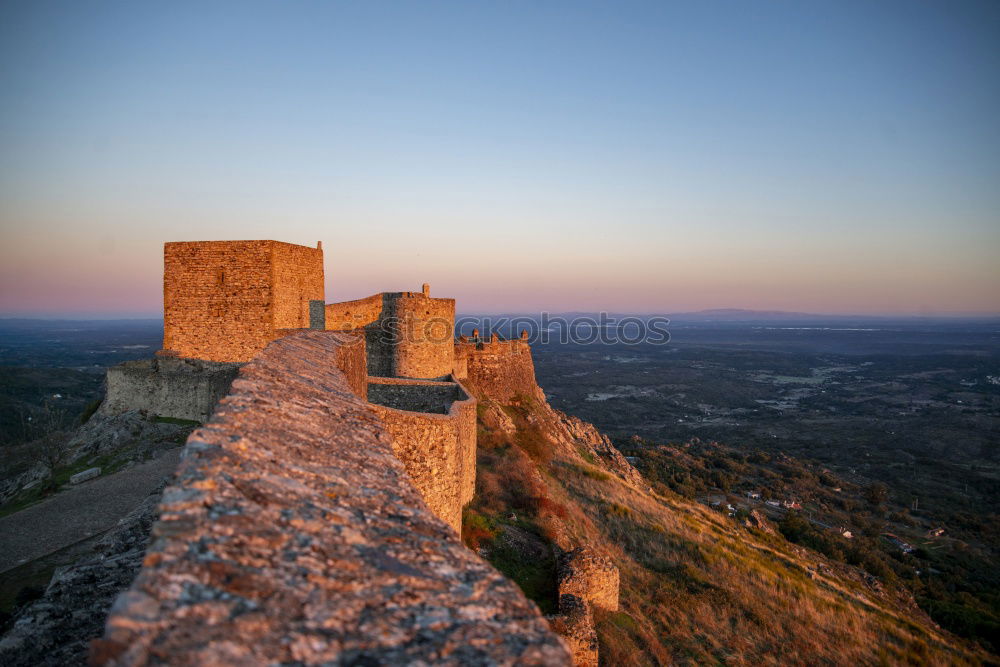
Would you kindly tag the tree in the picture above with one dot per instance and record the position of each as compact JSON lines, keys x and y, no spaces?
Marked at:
{"x":877,"y":493}
{"x":52,"y":448}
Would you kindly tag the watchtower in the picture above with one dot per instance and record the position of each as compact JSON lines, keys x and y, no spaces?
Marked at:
{"x":425,"y":335}
{"x":226,"y":300}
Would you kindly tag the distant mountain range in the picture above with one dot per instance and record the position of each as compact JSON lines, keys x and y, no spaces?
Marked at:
{"x":745,"y":315}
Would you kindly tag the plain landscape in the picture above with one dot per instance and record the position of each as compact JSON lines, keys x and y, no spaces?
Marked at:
{"x":871,"y":442}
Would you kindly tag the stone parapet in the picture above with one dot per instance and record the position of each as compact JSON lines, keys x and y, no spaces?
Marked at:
{"x":292,"y":534}
{"x":433,"y":427}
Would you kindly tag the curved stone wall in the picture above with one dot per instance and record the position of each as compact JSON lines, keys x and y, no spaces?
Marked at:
{"x":292,"y":534}
{"x":357,"y":314}
{"x":409,"y":334}
{"x":426,"y":336}
{"x":437,"y":444}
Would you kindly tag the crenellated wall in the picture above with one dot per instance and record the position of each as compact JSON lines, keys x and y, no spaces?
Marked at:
{"x":433,"y":427}
{"x":498,"y":369}
{"x":292,"y":534}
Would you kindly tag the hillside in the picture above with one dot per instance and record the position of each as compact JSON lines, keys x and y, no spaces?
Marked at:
{"x":696,"y":586}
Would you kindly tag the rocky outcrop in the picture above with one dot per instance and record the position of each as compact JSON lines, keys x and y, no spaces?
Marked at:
{"x":292,"y":534}
{"x":756,"y":519}
{"x":125,"y":438}
{"x":502,"y":375}
{"x":571,"y":430}
{"x":57,"y":629}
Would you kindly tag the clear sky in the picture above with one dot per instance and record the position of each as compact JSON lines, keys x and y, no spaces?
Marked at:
{"x":824,"y":156}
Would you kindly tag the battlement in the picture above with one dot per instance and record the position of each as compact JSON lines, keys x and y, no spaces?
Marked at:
{"x":495,"y":368}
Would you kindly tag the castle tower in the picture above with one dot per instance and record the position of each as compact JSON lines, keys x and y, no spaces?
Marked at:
{"x":425,"y":335}
{"x":226,"y":300}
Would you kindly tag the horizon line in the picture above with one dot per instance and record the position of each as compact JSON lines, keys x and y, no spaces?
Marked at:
{"x":738,"y":313}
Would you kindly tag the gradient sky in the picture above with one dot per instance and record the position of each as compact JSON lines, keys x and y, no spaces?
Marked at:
{"x":648,"y":157}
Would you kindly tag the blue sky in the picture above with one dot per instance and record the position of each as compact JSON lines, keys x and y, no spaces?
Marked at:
{"x":820,"y":156}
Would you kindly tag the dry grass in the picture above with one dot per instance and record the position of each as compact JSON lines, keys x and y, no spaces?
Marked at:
{"x":700,"y":589}
{"x":696,"y":588}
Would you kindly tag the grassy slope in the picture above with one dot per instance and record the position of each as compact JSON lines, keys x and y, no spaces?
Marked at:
{"x":695,"y":586}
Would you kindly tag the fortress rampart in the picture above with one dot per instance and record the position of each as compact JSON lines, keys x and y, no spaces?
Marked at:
{"x":181,"y":388}
{"x":315,"y":517}
{"x":499,"y":369}
{"x":433,"y":428}
{"x":293,"y":534}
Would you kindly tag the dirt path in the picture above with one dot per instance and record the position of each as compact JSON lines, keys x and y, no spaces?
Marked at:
{"x":79,"y":512}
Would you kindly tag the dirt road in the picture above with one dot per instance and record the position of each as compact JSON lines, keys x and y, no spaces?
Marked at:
{"x":79,"y":512}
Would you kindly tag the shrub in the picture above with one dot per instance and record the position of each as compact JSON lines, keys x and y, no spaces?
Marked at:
{"x":592,"y":473}
{"x":477,"y":529}
{"x":549,"y":506}
{"x":877,"y":493}
{"x":618,"y":510}
{"x":537,"y":578}
{"x":89,"y":410}
{"x":534,"y":443}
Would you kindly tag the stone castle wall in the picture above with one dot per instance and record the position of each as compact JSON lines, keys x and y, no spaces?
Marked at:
{"x":298,"y":279}
{"x":575,"y":624}
{"x":166,"y":387}
{"x":292,"y":534}
{"x":437,"y":448}
{"x":587,"y":581}
{"x":372,"y":316}
{"x":357,"y":314}
{"x":354,"y":367}
{"x":497,"y":369}
{"x":409,"y":334}
{"x":426,"y":336}
{"x":223,"y":300}
{"x":415,"y":395}
{"x":589,"y":576}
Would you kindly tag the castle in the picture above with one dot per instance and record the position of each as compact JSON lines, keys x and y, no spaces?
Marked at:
{"x":294,"y":522}
{"x":225,"y":301}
